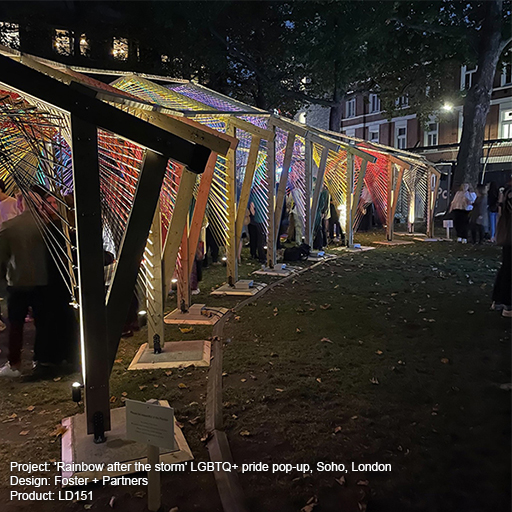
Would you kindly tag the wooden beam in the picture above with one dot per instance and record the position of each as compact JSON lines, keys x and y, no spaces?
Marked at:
{"x":281,"y":191}
{"x":240,"y":124}
{"x":318,"y":185}
{"x":271,"y":181}
{"x":250,"y":168}
{"x":349,"y":227}
{"x":200,"y":208}
{"x":184,"y":272}
{"x":433,"y":181}
{"x":177,"y":225}
{"x":359,"y":187}
{"x":392,"y":199}
{"x":121,"y":292}
{"x":308,"y":168}
{"x":231,"y":249}
{"x":91,"y":284}
{"x":154,"y":288}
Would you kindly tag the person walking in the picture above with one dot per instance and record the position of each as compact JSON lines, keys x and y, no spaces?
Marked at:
{"x":478,"y":216}
{"x":461,"y":205}
{"x":492,"y":205}
{"x":502,"y":291}
{"x":24,"y":254}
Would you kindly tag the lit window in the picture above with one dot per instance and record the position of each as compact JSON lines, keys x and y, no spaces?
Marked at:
{"x":62,"y":42}
{"x":506,"y":124}
{"x":402,"y":101}
{"x":374,"y":103}
{"x":431,"y":133}
{"x":466,"y":77}
{"x":506,"y":75}
{"x":84,"y":46}
{"x":302,"y":117}
{"x":401,"y":136}
{"x":351,"y":107}
{"x":10,"y":35}
{"x":120,"y":48}
{"x":373,"y":133}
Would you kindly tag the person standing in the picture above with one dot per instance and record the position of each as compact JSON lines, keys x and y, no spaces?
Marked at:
{"x":478,"y":216}
{"x":256,"y":229}
{"x":461,"y":205}
{"x":492,"y":205}
{"x":24,"y":253}
{"x":502,"y":292}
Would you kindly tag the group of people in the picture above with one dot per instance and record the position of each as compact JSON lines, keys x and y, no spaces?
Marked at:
{"x":475,"y":212}
{"x":33,"y":283}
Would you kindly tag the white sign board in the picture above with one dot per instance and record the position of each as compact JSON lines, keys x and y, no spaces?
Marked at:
{"x":447,"y":223}
{"x":149,"y":423}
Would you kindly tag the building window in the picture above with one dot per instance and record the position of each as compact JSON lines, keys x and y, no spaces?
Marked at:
{"x":351,"y":108}
{"x":506,"y":124}
{"x":506,"y":75}
{"x":302,"y":117}
{"x":431,"y":133}
{"x":120,"y":48}
{"x":402,"y":102}
{"x":459,"y":127}
{"x":10,"y":35}
{"x":350,"y":132}
{"x":401,"y":136}
{"x":373,"y":133}
{"x":374,"y":104}
{"x":62,"y":42}
{"x":467,"y":77}
{"x":84,"y":46}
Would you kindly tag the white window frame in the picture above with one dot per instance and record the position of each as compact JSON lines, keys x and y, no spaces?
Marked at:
{"x":430,"y":134}
{"x":505,"y":128}
{"x":350,"y":132}
{"x":350,"y":108}
{"x":373,"y":129}
{"x":398,"y":126}
{"x":402,"y":102}
{"x":464,"y":71}
{"x":459,"y":126}
{"x":374,"y":101}
{"x":507,"y":70}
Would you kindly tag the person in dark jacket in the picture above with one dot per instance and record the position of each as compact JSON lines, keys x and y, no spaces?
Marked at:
{"x":478,"y":217}
{"x":492,"y":205}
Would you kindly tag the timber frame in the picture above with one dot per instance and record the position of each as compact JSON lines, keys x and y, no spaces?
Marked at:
{"x":101,"y":319}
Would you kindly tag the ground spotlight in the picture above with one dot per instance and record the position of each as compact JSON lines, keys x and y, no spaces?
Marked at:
{"x":76,"y":392}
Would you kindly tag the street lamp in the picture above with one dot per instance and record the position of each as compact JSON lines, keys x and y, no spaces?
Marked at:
{"x":447,"y":107}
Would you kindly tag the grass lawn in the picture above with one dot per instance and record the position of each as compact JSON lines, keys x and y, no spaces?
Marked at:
{"x":387,"y":356}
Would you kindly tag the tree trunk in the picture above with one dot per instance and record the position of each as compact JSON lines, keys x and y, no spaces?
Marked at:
{"x":336,"y":112}
{"x":478,"y":100}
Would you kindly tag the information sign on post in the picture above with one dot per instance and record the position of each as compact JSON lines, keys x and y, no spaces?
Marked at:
{"x":152,"y":424}
{"x":448,"y":224}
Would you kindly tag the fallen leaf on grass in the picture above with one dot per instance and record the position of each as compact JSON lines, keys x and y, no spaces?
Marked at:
{"x":237,"y":318}
{"x":362,"y":506}
{"x":379,"y":352}
{"x":124,"y":393}
{"x":112,"y":502}
{"x":140,"y":494}
{"x":118,"y":361}
{"x":243,"y":380}
{"x":12,"y":416}
{"x":341,"y":480}
{"x":59,"y":431}
{"x":24,"y":432}
{"x":88,"y":506}
{"x":280,"y":390}
{"x":56,"y":379}
{"x":319,"y":380}
{"x":181,"y":385}
{"x":311,"y":504}
{"x":174,"y":509}
{"x":325,"y":306}
{"x":327,"y":340}
{"x":184,"y":330}
{"x":245,"y":433}
{"x":194,"y":421}
{"x":142,"y":387}
{"x":337,"y":429}
{"x":471,"y":312}
{"x":444,"y":360}
{"x":169,"y":372}
{"x":155,"y":385}
{"x":374,"y":380}
{"x":298,"y":330}
{"x":362,"y":482}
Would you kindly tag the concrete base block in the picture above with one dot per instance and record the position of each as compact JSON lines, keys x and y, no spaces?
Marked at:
{"x":174,"y":354}
{"x":198,"y":314}
{"x":240,"y":288}
{"x":393,"y":242}
{"x":77,"y":446}
{"x":277,"y":271}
